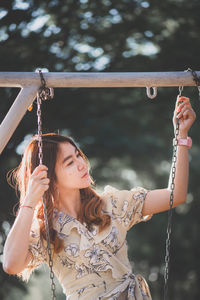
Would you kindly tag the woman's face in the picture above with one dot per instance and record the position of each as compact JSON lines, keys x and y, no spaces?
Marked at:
{"x":70,"y":169}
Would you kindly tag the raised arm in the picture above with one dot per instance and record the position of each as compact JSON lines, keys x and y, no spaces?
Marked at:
{"x":16,"y":255}
{"x":158,"y":200}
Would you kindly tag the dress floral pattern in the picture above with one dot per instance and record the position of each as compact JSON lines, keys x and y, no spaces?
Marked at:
{"x":95,"y":265}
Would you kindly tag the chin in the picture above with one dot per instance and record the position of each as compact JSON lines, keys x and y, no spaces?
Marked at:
{"x":86,"y":185}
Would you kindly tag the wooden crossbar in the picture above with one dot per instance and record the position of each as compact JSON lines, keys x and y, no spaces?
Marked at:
{"x":95,"y":79}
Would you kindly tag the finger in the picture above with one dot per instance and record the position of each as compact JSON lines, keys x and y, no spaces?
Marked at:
{"x":42,"y":174}
{"x":186,"y":113}
{"x":38,"y":169}
{"x":186,"y":102}
{"x":180,"y":100}
{"x":185,"y":105}
{"x":182,"y":115}
{"x":45,"y":181}
{"x":182,"y":107}
{"x":189,"y":113}
{"x":39,"y":176}
{"x":44,"y":187}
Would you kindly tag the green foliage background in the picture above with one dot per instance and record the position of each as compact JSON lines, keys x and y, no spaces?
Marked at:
{"x":126,"y":136}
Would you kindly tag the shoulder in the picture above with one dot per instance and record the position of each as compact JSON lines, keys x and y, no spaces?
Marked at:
{"x":115,"y":198}
{"x":125,"y":205}
{"x":135,"y":192}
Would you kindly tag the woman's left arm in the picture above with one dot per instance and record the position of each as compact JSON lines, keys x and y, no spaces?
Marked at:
{"x":158,"y":200}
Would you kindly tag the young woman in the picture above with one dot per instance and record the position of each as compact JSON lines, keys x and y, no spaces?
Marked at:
{"x":87,"y":230}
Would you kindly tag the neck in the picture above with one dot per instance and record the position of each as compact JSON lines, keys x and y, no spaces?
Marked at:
{"x":69,"y":202}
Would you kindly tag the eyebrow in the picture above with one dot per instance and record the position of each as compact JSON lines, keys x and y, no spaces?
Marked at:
{"x":69,"y":156}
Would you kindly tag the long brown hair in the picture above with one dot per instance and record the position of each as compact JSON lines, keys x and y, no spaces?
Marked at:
{"x":91,"y":203}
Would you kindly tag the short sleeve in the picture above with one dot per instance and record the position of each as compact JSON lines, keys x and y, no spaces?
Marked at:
{"x":126,"y":205}
{"x":38,"y":251}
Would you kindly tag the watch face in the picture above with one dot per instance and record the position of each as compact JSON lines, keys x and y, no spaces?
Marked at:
{"x":185,"y":142}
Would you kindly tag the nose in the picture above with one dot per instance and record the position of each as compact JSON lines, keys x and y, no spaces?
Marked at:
{"x":80,"y":165}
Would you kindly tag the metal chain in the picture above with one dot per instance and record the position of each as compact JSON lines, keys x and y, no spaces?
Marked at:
{"x":42,"y":95}
{"x":169,"y":225}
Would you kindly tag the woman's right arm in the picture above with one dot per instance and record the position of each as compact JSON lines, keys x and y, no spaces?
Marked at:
{"x":16,"y":255}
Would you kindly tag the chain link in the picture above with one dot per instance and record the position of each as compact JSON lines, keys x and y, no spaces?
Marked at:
{"x":169,"y":225}
{"x":42,"y":95}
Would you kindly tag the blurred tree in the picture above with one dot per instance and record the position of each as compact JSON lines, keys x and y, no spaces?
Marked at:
{"x":127,"y":137}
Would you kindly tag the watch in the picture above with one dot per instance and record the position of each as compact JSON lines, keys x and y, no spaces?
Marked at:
{"x":184,"y":142}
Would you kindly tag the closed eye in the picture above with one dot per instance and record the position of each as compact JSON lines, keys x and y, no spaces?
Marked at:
{"x":77,"y":155}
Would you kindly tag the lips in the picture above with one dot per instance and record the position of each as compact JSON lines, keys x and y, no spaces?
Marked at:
{"x":85,"y":174}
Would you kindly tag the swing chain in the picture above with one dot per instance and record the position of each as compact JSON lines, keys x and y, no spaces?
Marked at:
{"x":169,"y":225}
{"x":40,"y":154}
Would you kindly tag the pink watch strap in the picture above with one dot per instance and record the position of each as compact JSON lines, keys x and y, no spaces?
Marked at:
{"x":185,"y":142}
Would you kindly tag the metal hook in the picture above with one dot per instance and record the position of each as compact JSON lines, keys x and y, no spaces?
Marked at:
{"x":151,"y":96}
{"x":45,"y":93}
{"x":180,"y":91}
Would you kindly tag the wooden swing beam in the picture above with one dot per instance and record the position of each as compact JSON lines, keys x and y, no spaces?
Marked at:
{"x":29,"y":82}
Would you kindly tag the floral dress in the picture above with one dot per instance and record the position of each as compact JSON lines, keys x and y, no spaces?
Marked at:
{"x":95,"y":265}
